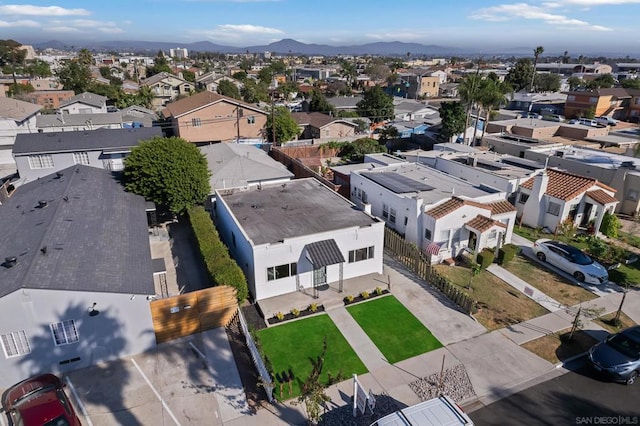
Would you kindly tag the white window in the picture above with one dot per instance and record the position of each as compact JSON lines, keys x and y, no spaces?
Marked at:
{"x":196,"y":122}
{"x":64,"y":332}
{"x":385,"y":211}
{"x":81,"y":158}
{"x":444,"y":238}
{"x":282,"y":271}
{"x":84,"y":110}
{"x":251,"y":119}
{"x":593,"y":100}
{"x":554,"y":209}
{"x":492,"y":235}
{"x":632,"y":195}
{"x":15,"y":344}
{"x":392,"y":215}
{"x":41,"y":161}
{"x":427,"y":234}
{"x":360,"y":254}
{"x":523,"y":198}
{"x":364,"y":197}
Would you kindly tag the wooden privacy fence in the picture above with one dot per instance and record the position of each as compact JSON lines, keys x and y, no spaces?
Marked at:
{"x":410,"y":256}
{"x":191,"y":313}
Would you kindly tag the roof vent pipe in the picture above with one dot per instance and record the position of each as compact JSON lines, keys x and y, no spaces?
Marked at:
{"x":10,"y":261}
{"x":42,"y":204}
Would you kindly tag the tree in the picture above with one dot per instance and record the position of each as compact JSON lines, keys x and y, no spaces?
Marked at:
{"x":286,"y":128}
{"x":377,"y":71}
{"x":105,"y":72}
{"x":356,"y":150}
{"x":610,"y":225}
{"x":254,"y":92}
{"x":575,"y":82}
{"x":536,"y":55}
{"x":160,"y":64}
{"x":74,"y":76}
{"x":85,"y":57}
{"x":11,"y":55}
{"x":386,"y":133}
{"x":168,"y":171}
{"x":630,"y":83}
{"x":38,"y":68}
{"x":319,"y":103}
{"x":492,"y":95}
{"x":189,"y":76}
{"x":603,"y":81}
{"x":313,"y":394}
{"x":469,"y":90}
{"x":376,"y":105}
{"x":547,"y":83}
{"x":362,"y":125}
{"x":453,"y":119}
{"x":227,"y":88}
{"x":520,"y":75}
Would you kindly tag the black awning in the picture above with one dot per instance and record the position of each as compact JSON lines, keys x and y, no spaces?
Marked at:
{"x":324,"y":253}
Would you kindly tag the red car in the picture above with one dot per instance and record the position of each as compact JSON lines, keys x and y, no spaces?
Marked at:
{"x":39,"y":401}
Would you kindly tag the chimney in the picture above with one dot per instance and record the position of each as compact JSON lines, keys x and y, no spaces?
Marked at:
{"x":534,"y":207}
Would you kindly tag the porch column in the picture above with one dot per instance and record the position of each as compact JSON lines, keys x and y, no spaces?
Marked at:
{"x":599,"y":215}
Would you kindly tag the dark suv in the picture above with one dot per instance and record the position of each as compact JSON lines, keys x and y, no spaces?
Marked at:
{"x":39,"y":401}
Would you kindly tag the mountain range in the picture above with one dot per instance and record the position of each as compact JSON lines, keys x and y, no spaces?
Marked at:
{"x":286,"y":46}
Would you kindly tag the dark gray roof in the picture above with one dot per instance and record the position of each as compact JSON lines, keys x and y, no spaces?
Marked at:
{"x":88,"y":98}
{"x":324,"y":253}
{"x":298,"y":208}
{"x":91,"y":236}
{"x":90,"y":140}
{"x":77,"y":120}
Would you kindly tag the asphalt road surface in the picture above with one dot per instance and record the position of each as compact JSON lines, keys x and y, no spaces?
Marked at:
{"x":577,"y":397}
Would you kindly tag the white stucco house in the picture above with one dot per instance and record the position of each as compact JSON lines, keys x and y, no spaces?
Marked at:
{"x":554,"y":196}
{"x":427,"y":206}
{"x":15,"y":117}
{"x":75,"y":276}
{"x":297,"y":236}
{"x":84,"y":103}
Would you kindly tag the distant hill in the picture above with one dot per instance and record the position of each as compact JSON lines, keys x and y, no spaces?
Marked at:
{"x":286,"y":46}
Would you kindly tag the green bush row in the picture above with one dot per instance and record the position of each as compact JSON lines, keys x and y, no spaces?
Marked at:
{"x":507,"y":252}
{"x":485,"y":258}
{"x":222,"y":269}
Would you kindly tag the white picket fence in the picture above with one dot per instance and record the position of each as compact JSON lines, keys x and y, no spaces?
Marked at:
{"x":267,"y":383}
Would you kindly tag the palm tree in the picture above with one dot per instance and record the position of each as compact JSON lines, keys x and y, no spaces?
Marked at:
{"x":493,"y":94}
{"x":469,"y":91}
{"x":536,"y":55}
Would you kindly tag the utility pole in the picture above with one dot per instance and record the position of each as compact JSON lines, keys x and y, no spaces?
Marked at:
{"x":238,"y":113}
{"x":273,"y":121}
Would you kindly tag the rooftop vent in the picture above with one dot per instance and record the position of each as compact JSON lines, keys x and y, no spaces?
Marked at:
{"x":43,"y":250}
{"x":59,"y":175}
{"x":10,"y":261}
{"x":627,"y":165}
{"x":42,"y":204}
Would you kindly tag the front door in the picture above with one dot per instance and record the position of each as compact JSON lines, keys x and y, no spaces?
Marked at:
{"x":586,"y":214}
{"x":320,"y":276}
{"x":473,"y":240}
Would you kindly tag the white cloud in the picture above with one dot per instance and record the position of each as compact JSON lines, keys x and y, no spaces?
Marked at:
{"x":239,"y":33}
{"x":597,"y":2}
{"x":30,"y":10}
{"x":248,"y":29}
{"x":508,"y":12}
{"x":18,"y":24}
{"x":405,"y":36}
{"x":63,"y":29}
{"x":83,"y":25}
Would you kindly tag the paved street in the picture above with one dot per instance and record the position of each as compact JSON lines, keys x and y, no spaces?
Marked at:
{"x":573,"y":398}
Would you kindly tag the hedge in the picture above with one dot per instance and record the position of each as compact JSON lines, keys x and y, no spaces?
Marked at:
{"x":485,"y":258}
{"x":507,"y":252}
{"x":222,"y":269}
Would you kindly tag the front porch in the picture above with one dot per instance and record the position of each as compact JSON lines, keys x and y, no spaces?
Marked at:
{"x":328,"y":295}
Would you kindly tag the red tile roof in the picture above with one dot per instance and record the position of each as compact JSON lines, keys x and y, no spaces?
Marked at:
{"x":500,"y":207}
{"x":451,"y":205}
{"x":601,"y":197}
{"x":565,"y":186}
{"x":483,"y":223}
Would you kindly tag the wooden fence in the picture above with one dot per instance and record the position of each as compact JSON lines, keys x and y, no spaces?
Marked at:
{"x":191,"y":313}
{"x":410,"y":256}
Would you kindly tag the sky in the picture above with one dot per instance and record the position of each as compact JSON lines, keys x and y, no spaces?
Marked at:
{"x":579,"y":26}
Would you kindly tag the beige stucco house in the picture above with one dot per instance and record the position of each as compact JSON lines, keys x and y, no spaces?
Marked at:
{"x":208,"y":117}
{"x":166,"y":88}
{"x":316,"y":125}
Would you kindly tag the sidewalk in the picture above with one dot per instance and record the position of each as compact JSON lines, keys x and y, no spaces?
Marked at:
{"x":525,"y":288}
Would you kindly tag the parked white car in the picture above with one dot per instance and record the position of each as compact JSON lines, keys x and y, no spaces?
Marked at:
{"x":607,"y":121}
{"x":571,"y":260}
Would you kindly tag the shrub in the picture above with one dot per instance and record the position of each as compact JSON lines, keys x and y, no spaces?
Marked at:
{"x":295,"y":312}
{"x":610,"y":225}
{"x":507,"y":252}
{"x":485,"y":258}
{"x":280,"y":316}
{"x":349,"y":298}
{"x":221,"y":268}
{"x":378,"y":291}
{"x":365,"y":294}
{"x":313,"y":307}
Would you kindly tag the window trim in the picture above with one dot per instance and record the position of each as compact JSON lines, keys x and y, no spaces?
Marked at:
{"x":19,"y":339}
{"x":81,"y":157}
{"x":551,"y":203}
{"x":68,"y":339}
{"x":272,"y":271}
{"x":196,"y":122}
{"x":523,"y":195}
{"x":361,"y":254}
{"x":44,"y":161}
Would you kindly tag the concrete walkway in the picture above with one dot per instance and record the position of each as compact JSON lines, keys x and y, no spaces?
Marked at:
{"x":525,"y":288}
{"x":366,"y":350}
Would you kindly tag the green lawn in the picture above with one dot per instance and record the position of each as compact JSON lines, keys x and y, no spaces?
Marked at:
{"x":291,"y":347}
{"x":629,"y":274}
{"x":394,"y":330}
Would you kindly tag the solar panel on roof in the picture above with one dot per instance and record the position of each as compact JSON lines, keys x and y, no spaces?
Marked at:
{"x":397,"y":183}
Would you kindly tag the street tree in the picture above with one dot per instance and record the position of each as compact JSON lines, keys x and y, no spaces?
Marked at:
{"x":314,"y":395}
{"x":453,"y":119}
{"x":575,"y":82}
{"x":469,"y":90}
{"x":376,"y":105}
{"x":282,"y":124}
{"x":38,"y":68}
{"x":520,"y":75}
{"x":536,"y":55}
{"x":630,"y":83}
{"x":492,"y":95}
{"x":227,"y":88}
{"x":603,"y":81}
{"x":168,"y":171}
